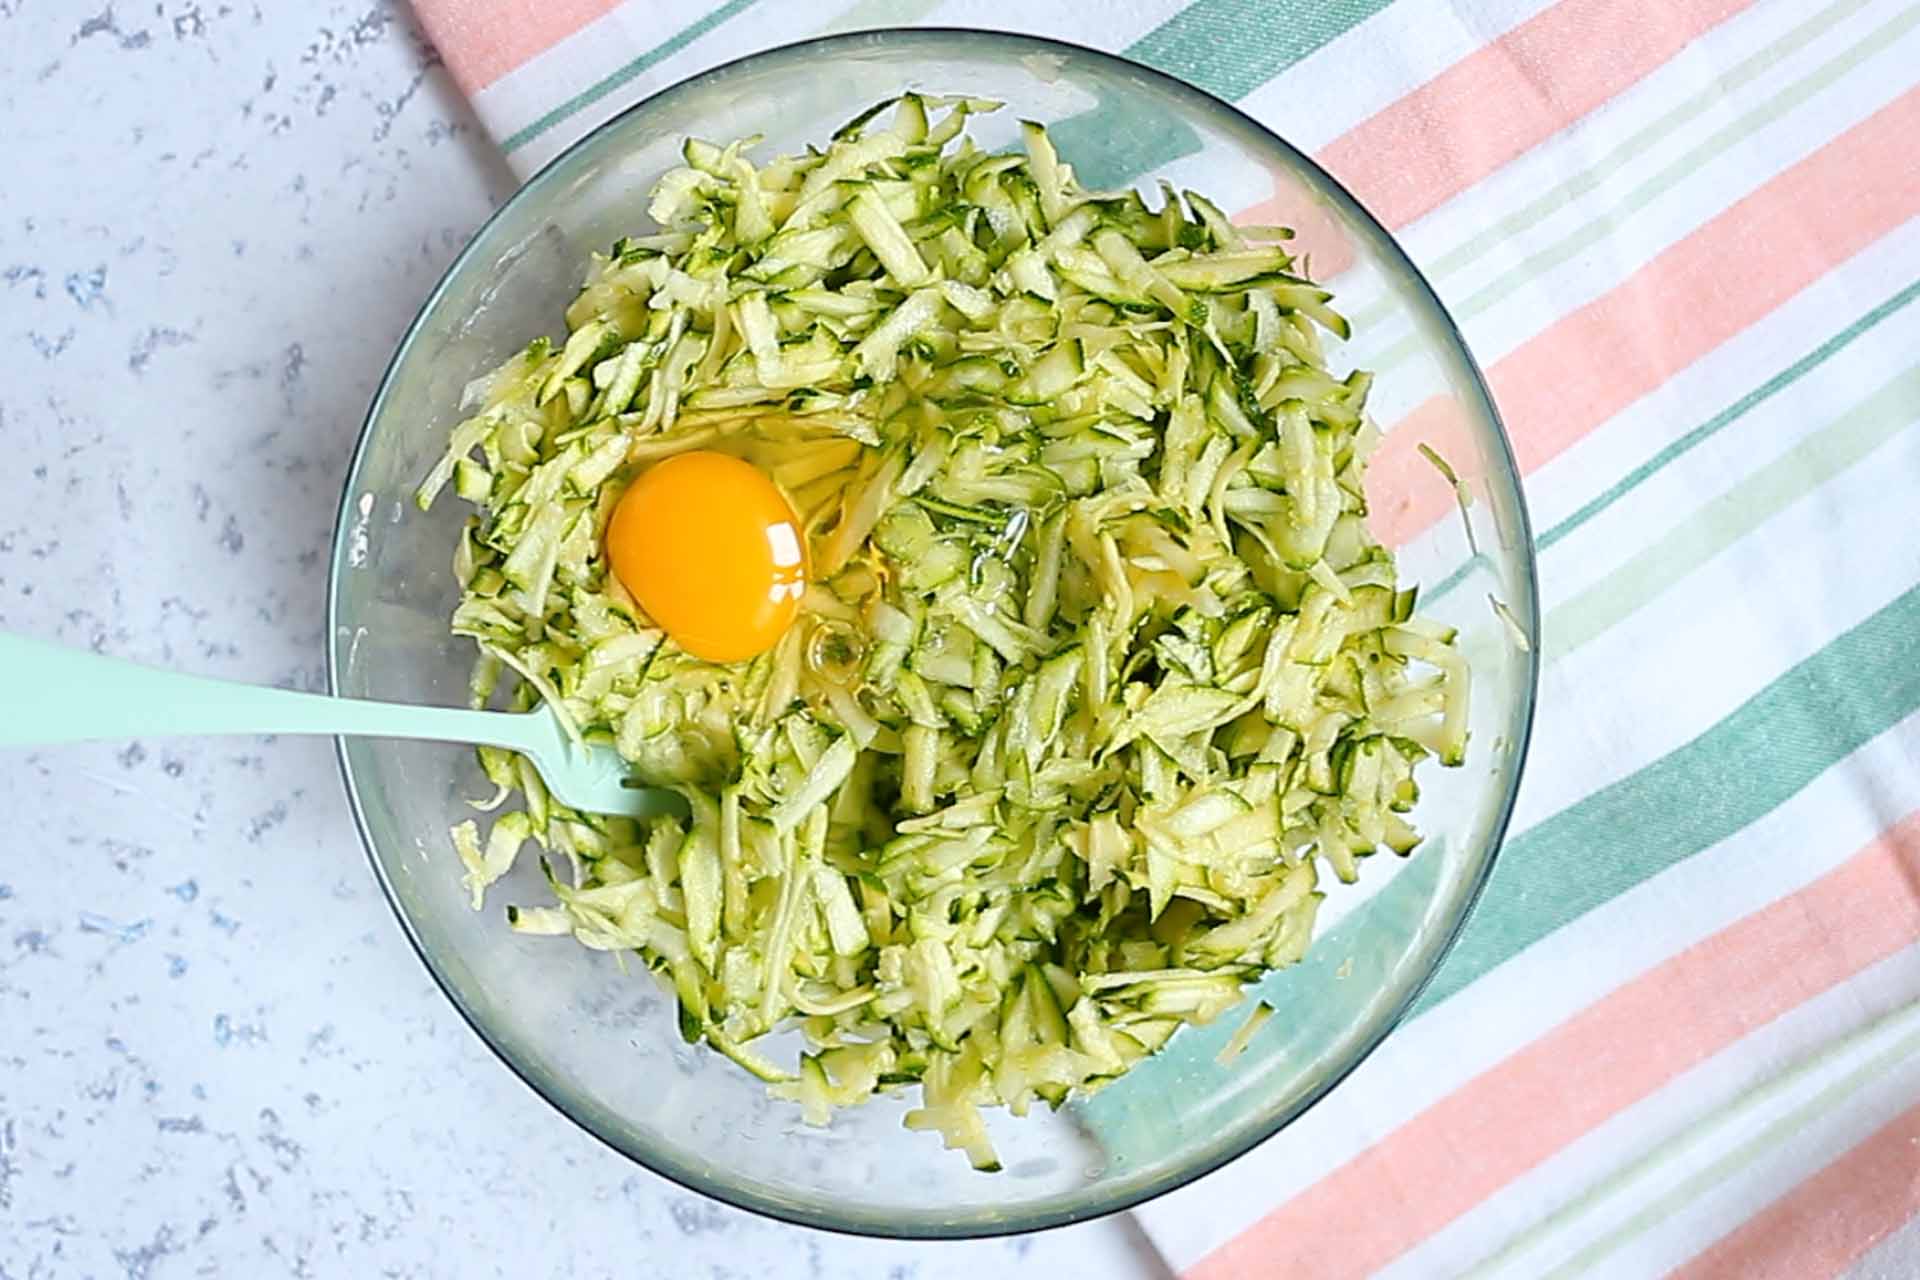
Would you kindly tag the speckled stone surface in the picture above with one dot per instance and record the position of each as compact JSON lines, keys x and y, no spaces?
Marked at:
{"x":218,"y":1056}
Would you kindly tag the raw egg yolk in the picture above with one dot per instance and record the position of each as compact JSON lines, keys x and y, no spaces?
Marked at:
{"x":713,"y":552}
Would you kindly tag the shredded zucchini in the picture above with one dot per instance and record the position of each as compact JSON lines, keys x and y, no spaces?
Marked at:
{"x":1100,"y":667}
{"x":1243,"y":1035}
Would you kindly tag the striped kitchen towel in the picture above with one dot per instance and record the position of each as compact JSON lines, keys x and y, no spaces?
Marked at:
{"x":1682,"y":1031}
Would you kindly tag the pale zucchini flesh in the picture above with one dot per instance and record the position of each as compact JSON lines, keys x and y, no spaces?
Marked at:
{"x":1101,"y":668}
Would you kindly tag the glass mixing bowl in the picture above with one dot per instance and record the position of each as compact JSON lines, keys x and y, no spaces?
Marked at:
{"x":601,"y":1043}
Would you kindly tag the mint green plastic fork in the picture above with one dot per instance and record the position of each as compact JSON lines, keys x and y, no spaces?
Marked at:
{"x":52,"y":694}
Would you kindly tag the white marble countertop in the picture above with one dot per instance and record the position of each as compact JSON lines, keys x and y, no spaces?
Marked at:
{"x":217,"y":1053}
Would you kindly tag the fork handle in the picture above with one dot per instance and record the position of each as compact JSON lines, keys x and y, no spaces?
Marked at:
{"x":50,"y":693}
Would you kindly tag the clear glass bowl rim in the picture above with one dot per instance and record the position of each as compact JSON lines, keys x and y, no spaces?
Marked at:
{"x":1015,"y":46}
